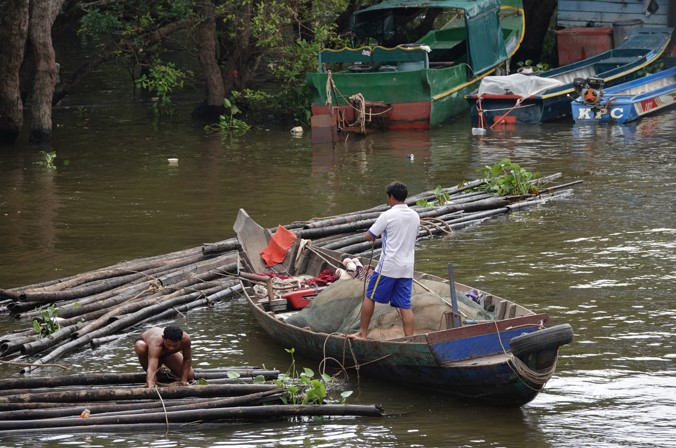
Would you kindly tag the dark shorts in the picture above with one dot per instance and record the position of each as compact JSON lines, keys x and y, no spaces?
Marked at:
{"x":395,"y":291}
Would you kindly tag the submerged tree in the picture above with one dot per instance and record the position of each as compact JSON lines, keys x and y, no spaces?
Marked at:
{"x":236,"y":43}
{"x":13,"y":34}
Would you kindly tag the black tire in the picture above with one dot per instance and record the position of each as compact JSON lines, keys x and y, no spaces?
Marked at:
{"x":541,"y":340}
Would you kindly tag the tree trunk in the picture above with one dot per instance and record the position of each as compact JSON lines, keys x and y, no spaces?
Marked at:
{"x":13,"y":35}
{"x":538,"y":15}
{"x":213,"y":80}
{"x":43,"y":14}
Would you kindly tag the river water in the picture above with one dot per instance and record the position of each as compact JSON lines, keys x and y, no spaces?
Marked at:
{"x":601,"y":259}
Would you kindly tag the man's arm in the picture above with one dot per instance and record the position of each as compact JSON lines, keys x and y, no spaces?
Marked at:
{"x":187,"y":361}
{"x":368,"y":236}
{"x":153,"y":363}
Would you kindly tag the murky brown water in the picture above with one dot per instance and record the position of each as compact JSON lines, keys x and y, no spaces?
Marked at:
{"x":601,"y":259}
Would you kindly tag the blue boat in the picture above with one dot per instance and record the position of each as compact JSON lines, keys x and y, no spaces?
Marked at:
{"x":467,"y":343}
{"x":625,"y":102}
{"x":497,"y":101}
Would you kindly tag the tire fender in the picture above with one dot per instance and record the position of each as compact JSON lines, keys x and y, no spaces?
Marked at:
{"x":546,"y":339}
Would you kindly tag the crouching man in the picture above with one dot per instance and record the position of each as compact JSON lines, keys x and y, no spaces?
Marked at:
{"x":170,"y":347}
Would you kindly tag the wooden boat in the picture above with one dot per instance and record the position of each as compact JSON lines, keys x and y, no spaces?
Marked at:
{"x":625,"y":102}
{"x":499,"y":101}
{"x":417,"y":73}
{"x":503,"y":359}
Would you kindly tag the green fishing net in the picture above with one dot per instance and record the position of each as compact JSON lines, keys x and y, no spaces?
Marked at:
{"x":336,"y":310}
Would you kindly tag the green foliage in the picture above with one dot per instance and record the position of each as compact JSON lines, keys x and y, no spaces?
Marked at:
{"x":161,"y":80}
{"x":294,"y":98}
{"x":441,"y":196}
{"x":227,"y":123}
{"x":99,"y":25}
{"x":304,"y":388}
{"x":528,"y":67}
{"x":46,"y":324}
{"x":507,"y":178}
{"x":47,"y":159}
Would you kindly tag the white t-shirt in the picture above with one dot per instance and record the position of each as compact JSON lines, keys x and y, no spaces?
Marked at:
{"x":399,"y":229}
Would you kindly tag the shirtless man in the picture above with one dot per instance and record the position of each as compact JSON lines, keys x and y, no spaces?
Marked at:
{"x":169,"y":346}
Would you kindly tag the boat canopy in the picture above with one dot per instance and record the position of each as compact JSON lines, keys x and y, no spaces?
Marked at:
{"x":399,"y":22}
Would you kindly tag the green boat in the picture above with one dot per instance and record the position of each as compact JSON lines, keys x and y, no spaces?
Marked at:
{"x":412,"y":63}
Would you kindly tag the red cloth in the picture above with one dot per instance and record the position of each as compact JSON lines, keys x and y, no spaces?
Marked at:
{"x":325,"y":277}
{"x":278,"y":246}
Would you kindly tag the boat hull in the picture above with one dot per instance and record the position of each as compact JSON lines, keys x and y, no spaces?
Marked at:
{"x":614,"y":67}
{"x":630,"y":101}
{"x":415,"y":100}
{"x":469,"y":359}
{"x":471,"y":367}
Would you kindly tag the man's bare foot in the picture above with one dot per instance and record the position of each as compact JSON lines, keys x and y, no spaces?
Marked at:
{"x":356,"y":336}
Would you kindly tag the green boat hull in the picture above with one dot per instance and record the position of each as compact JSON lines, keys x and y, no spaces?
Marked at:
{"x":417,"y":85}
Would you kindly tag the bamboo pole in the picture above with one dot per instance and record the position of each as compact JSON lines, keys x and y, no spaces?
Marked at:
{"x":112,"y":408}
{"x":199,"y":415}
{"x":136,"y":393}
{"x":103,"y":378}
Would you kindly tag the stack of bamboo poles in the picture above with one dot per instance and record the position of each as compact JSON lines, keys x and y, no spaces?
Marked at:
{"x":108,"y":401}
{"x":100,"y":305}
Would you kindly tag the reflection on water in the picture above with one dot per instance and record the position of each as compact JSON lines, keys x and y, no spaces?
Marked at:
{"x":601,"y":259}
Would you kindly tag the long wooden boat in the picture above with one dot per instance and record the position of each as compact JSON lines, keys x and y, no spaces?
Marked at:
{"x":484,"y":350}
{"x":499,"y":101}
{"x":412,"y":62}
{"x":625,"y":102}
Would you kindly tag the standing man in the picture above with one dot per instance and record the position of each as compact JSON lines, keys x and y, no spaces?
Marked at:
{"x":171,"y":347}
{"x":393,"y":278}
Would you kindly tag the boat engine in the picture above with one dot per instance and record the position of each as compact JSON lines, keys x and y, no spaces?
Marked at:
{"x":590,"y":89}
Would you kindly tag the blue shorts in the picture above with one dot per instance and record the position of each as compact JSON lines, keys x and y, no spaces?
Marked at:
{"x":395,"y":291}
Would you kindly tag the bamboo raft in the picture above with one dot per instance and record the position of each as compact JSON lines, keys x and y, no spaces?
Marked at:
{"x":114,"y":401}
{"x":102,"y":305}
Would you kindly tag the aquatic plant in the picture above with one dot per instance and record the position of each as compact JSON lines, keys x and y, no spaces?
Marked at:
{"x":507,"y":178}
{"x":304,"y":388}
{"x":47,"y":159}
{"x":47,"y":324}
{"x":441,"y":198}
{"x":227,"y":123}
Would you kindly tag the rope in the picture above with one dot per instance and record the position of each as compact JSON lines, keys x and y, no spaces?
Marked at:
{"x":518,"y":102}
{"x":331,"y":88}
{"x":436,"y":223}
{"x":522,"y":371}
{"x":166,"y":417}
{"x":358,"y":98}
{"x":480,"y":112}
{"x":330,"y":85}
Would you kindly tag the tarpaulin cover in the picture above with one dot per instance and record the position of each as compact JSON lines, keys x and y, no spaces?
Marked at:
{"x":279,"y":245}
{"x":516,"y":84}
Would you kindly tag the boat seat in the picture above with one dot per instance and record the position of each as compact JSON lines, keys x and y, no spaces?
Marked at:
{"x":500,"y":310}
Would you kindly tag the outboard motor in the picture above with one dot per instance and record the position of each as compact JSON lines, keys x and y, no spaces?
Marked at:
{"x":590,"y":89}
